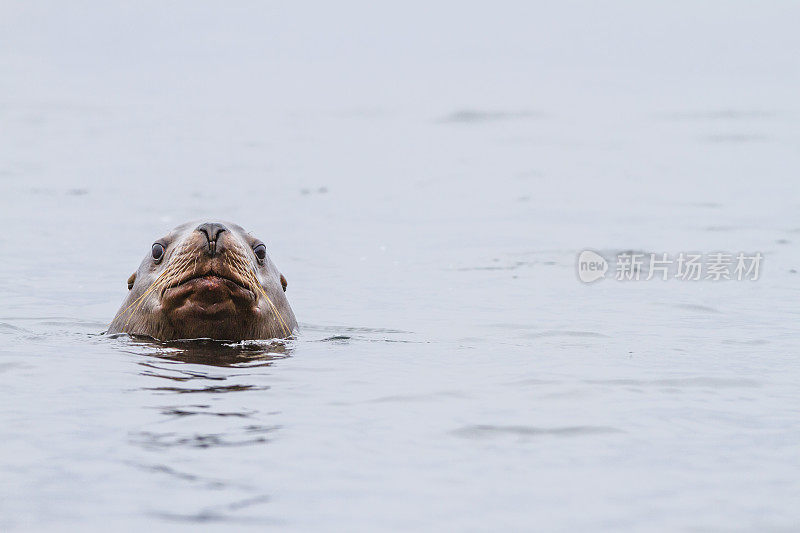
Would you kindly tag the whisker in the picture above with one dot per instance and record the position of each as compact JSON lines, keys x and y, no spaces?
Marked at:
{"x":254,"y":281}
{"x":148,"y":291}
{"x":245,"y":269}
{"x":159,"y":282}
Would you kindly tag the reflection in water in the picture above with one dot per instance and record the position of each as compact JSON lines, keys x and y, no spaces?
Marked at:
{"x":182,"y":476}
{"x":176,"y":411}
{"x":204,"y":416}
{"x":219,"y":513}
{"x":150,"y":440}
{"x":229,"y":388}
{"x":214,"y":353}
{"x":202,"y":412}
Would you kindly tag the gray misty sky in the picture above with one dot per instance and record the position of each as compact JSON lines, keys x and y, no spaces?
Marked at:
{"x":416,"y":55}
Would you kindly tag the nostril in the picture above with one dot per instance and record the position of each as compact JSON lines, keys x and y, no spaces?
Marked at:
{"x":211,"y":230}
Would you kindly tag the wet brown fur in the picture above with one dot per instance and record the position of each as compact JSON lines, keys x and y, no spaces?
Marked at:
{"x":164,"y":304}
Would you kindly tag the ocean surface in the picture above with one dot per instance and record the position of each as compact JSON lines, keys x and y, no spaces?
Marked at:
{"x":425,"y":177}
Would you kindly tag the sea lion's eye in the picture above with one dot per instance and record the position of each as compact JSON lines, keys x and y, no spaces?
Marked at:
{"x":260,"y":251}
{"x":158,"y":251}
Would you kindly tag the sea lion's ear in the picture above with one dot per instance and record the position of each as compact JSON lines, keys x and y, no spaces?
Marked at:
{"x":284,"y":283}
{"x":131,"y":280}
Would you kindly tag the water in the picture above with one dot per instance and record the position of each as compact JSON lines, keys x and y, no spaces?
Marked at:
{"x":425,"y":177}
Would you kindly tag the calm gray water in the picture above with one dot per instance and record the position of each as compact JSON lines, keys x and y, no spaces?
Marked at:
{"x":425,"y":177}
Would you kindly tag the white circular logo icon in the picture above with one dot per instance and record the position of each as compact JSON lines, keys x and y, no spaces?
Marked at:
{"x":591,"y":266}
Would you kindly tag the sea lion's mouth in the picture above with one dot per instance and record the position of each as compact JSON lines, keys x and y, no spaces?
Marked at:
{"x":211,"y":278}
{"x":209,"y":274}
{"x":211,"y":299}
{"x":210,"y":283}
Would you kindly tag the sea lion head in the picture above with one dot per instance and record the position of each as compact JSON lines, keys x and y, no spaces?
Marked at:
{"x":206,"y":280}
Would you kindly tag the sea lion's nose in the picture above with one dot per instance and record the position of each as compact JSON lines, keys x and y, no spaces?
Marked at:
{"x":212,"y":231}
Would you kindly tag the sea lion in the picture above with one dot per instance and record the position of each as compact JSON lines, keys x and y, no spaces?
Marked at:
{"x":206,"y":280}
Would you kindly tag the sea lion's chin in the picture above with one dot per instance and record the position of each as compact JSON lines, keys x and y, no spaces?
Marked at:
{"x":209,"y":307}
